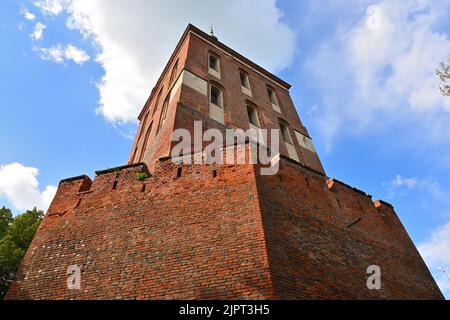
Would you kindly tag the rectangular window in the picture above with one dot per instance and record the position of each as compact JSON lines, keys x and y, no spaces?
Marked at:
{"x":174,"y":73}
{"x":272,"y":97}
{"x":244,"y":80}
{"x":216,"y":111}
{"x":273,"y":100}
{"x":288,"y":142}
{"x":213,"y":63}
{"x":285,"y":133}
{"x":216,"y":96}
{"x":253,"y":116}
{"x":155,"y":107}
{"x":144,"y":145}
{"x":164,"y":112}
{"x":214,"y":66}
{"x":245,"y":83}
{"x":142,"y":127}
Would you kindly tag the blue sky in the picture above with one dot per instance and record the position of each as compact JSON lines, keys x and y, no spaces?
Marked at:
{"x":75,"y":75}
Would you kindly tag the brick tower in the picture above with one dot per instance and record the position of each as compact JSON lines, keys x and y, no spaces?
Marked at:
{"x":160,"y":229}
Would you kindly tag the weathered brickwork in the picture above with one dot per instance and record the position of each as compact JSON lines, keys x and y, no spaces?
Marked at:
{"x":219,"y":232}
{"x":191,"y":54}
{"x":322,"y":235}
{"x":158,"y":229}
{"x":197,"y":236}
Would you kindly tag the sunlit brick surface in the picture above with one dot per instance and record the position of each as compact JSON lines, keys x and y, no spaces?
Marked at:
{"x":154,"y":229}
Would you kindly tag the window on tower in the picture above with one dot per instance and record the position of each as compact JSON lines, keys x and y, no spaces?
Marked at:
{"x":174,"y":73}
{"x":244,"y":80}
{"x":273,"y":100}
{"x":216,"y":96}
{"x":213,"y":62}
{"x":155,"y":107}
{"x":253,"y":116}
{"x":163,"y":116}
{"x":245,"y":83}
{"x":216,"y":109}
{"x":285,"y":133}
{"x":214,"y":65}
{"x":272,"y":97}
{"x":144,"y":145}
{"x":164,"y":110}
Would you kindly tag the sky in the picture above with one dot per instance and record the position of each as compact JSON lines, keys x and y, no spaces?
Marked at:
{"x":76,"y":73}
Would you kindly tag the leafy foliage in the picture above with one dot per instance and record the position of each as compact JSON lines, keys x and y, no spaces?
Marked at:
{"x":15,"y":237}
{"x":444,"y":74}
{"x":142,"y":176}
{"x":5,"y":220}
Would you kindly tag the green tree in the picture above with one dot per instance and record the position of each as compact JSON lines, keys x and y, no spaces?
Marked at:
{"x":5,"y":220}
{"x":14,"y":242}
{"x":444,"y":74}
{"x":22,"y":229}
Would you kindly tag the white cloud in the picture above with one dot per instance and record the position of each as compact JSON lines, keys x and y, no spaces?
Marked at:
{"x":436,"y":250}
{"x":55,"y":54}
{"x":135,"y":39}
{"x":50,"y":7}
{"x":379,"y":77}
{"x":27,"y":14}
{"x":400,"y":185}
{"x":21,"y":187}
{"x":38,"y":31}
{"x":60,"y":54}
{"x":436,"y":253}
{"x":407,"y":182}
{"x":76,"y":55}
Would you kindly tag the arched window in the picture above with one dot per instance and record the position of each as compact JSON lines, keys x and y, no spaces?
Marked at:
{"x":216,"y":97}
{"x":253,"y":117}
{"x":174,"y":73}
{"x":273,"y":100}
{"x":286,"y":135}
{"x":140,"y":133}
{"x":245,"y":83}
{"x":144,"y":145}
{"x":216,"y":103}
{"x":272,"y":96}
{"x":214,"y":65}
{"x":244,"y":80}
{"x":163,"y":117}
{"x":155,"y":107}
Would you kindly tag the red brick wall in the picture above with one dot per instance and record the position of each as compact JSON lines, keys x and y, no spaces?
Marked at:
{"x":192,"y":54}
{"x":224,"y":235}
{"x":234,"y":235}
{"x":315,"y":254}
{"x":193,"y":237}
{"x":235,"y":100}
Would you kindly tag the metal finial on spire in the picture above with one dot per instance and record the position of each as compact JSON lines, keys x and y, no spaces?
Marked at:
{"x":211,"y":33}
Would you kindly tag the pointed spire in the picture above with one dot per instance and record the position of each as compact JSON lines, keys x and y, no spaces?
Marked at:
{"x":211,"y":33}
